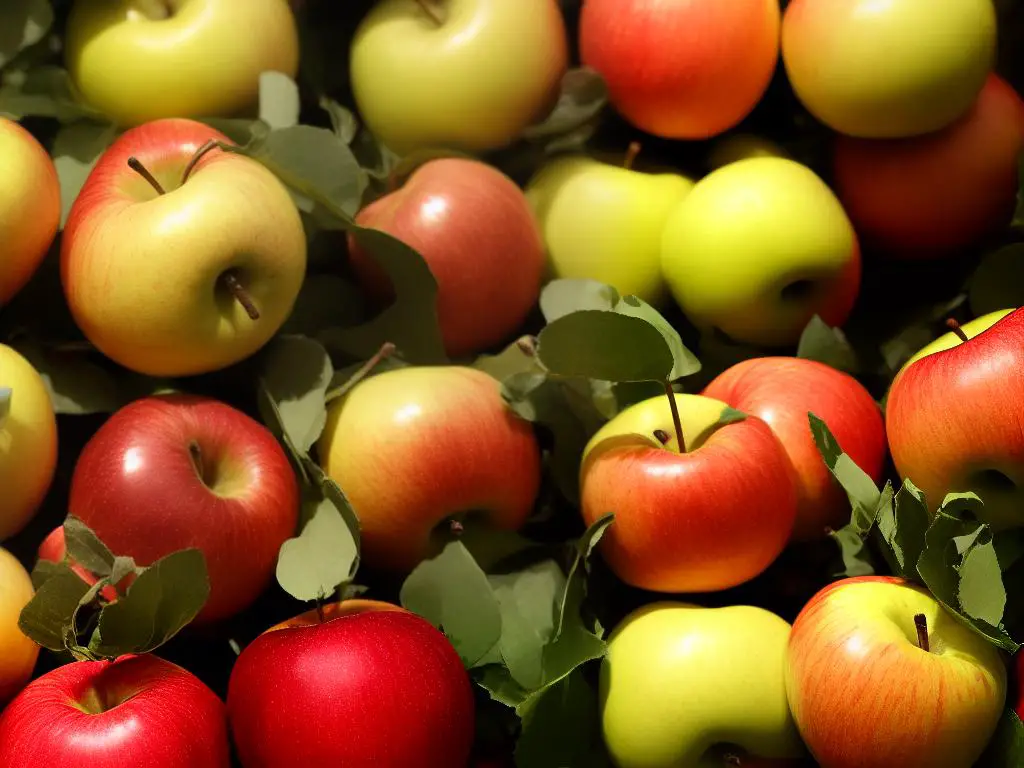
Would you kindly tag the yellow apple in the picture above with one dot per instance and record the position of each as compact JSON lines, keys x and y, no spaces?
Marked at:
{"x":951,"y":339}
{"x":18,"y":654}
{"x":141,"y":60}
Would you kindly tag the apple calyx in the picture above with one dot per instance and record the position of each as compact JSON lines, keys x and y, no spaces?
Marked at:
{"x":954,"y":326}
{"x":921,"y":624}
{"x":631,"y":154}
{"x":136,"y":165}
{"x":432,"y":11}
{"x":386,"y":350}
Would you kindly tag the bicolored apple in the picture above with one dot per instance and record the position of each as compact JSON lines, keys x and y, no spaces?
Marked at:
{"x":948,"y":340}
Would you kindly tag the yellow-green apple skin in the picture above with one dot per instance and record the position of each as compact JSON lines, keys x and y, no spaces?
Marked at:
{"x":415,"y":447}
{"x":142,"y":60}
{"x":706,"y":518}
{"x":18,"y":653}
{"x":28,"y":442}
{"x":472,"y":79}
{"x":29,"y":207}
{"x":742,"y":146}
{"x":147,"y":275}
{"x":865,"y":694}
{"x":955,"y":423}
{"x":683,"y":685}
{"x":758,"y":248}
{"x":604,"y":222}
{"x":888,"y":69}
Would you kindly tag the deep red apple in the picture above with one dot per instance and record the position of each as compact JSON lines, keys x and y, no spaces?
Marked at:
{"x":171,"y":472}
{"x":136,"y":712}
{"x":476,"y":231}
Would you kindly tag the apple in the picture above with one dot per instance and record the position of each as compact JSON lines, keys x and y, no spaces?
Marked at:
{"x":604,"y":222}
{"x":328,"y":693}
{"x":53,"y":549}
{"x":475,"y":230}
{"x":949,"y":340}
{"x":28,"y":441}
{"x":138,"y":711}
{"x":414,"y":448}
{"x":29,"y":207}
{"x":461,"y":74}
{"x":686,"y":685}
{"x":1018,"y":666}
{"x":930,"y":196}
{"x":143,"y":60}
{"x":742,"y":146}
{"x":18,"y":653}
{"x":705,"y":518}
{"x":189,"y":281}
{"x":170,"y":472}
{"x":888,"y":69}
{"x":864,"y":691}
{"x":758,"y":248}
{"x":953,"y":424}
{"x":781,"y":391}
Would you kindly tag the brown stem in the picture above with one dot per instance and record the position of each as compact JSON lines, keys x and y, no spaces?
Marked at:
{"x":676,"y":422}
{"x":527,"y":345}
{"x":662,"y":436}
{"x":386,"y":350}
{"x":921,"y":623}
{"x":242,"y":296}
{"x":631,"y":155}
{"x":143,"y":171}
{"x":456,"y":527}
{"x":954,"y":326}
{"x":431,"y":11}
{"x":199,"y":155}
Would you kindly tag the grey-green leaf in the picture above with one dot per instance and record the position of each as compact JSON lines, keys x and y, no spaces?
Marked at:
{"x":297,"y":372}
{"x":314,"y":564}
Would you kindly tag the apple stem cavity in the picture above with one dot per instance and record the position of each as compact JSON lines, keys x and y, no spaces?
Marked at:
{"x":136,"y":165}
{"x":631,"y":154}
{"x":242,"y":296}
{"x":431,"y":11}
{"x":676,"y":422}
{"x":921,"y":624}
{"x":386,"y":350}
{"x":199,"y":155}
{"x":954,"y":326}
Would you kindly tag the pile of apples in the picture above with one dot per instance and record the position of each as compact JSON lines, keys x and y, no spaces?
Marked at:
{"x":181,"y":255}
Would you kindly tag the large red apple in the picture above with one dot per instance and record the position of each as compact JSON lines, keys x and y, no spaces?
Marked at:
{"x":171,"y":472}
{"x":372,"y":684}
{"x":137,"y":712}
{"x":476,"y":231}
{"x":781,"y":390}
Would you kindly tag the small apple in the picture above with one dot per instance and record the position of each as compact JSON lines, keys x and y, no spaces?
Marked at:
{"x":170,"y":472}
{"x":29,"y":207}
{"x":604,"y":222}
{"x":742,"y":146}
{"x":186,"y":281}
{"x":138,"y":711}
{"x":475,"y":230}
{"x":53,"y":549}
{"x":328,"y":693}
{"x":142,"y":60}
{"x":462,"y":74}
{"x":682,"y":69}
{"x":878,"y":673}
{"x":758,"y":248}
{"x":705,"y":518}
{"x":18,"y":653}
{"x":781,"y":391}
{"x":686,"y":685}
{"x":888,"y":69}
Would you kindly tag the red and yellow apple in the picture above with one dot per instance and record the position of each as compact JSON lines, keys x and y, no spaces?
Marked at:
{"x":18,"y":653}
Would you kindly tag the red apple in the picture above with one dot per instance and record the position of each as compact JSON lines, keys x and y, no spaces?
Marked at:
{"x":781,"y":390}
{"x":930,"y":196}
{"x":374,"y":686}
{"x":682,"y":69}
{"x":171,"y":472}
{"x":476,"y":231}
{"x":1018,"y":680}
{"x":53,"y":549}
{"x":137,"y":712}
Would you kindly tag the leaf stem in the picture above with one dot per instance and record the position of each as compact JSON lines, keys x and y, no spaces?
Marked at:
{"x":921,"y":624}
{"x":199,"y":155}
{"x":631,"y":154}
{"x":136,"y":165}
{"x":676,"y":422}
{"x":386,"y":350}
{"x":242,"y":296}
{"x":954,"y":326}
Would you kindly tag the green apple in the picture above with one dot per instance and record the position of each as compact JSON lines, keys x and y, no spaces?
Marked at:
{"x":462,"y":74}
{"x":949,"y":340}
{"x":758,"y":248}
{"x":141,"y":60}
{"x":683,"y":685}
{"x":604,"y":222}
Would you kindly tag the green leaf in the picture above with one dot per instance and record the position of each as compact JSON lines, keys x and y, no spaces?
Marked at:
{"x":583,"y":96}
{"x":324,"y":301}
{"x":563,"y":297}
{"x":998,"y":281}
{"x":452,"y":592}
{"x":858,"y":485}
{"x":85,"y":548}
{"x":825,"y":344}
{"x":684,"y":362}
{"x":5,"y":403}
{"x":44,"y":570}
{"x":22,"y":23}
{"x":903,"y":526}
{"x":77,"y":385}
{"x":330,"y":490}
{"x":343,"y":121}
{"x":297,"y":372}
{"x":855,"y":557}
{"x":47,"y":616}
{"x":1006,"y":749}
{"x":981,"y":593}
{"x":314,"y":564}
{"x":44,"y":91}
{"x":76,"y":150}
{"x":279,"y":100}
{"x":498,"y":682}
{"x":561,"y":726}
{"x":513,"y":360}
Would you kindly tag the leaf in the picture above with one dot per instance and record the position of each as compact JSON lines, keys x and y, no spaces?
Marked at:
{"x":853,"y":551}
{"x":48,"y":614}
{"x":858,"y":485}
{"x":279,"y":100}
{"x":324,"y":301}
{"x":343,"y":121}
{"x":272,"y":419}
{"x":331,"y":491}
{"x":297,"y":372}
{"x":43,"y":570}
{"x":498,"y":682}
{"x":825,"y":344}
{"x":85,"y":548}
{"x":314,"y":564}
{"x":998,"y":281}
{"x":22,"y":23}
{"x":562,"y":297}
{"x":513,"y":360}
{"x":44,"y":91}
{"x":583,"y":96}
{"x":1006,"y":749}
{"x":452,"y":592}
{"x":685,"y":363}
{"x":77,"y":386}
{"x":981,"y":594}
{"x":76,"y":150}
{"x":560,"y":726}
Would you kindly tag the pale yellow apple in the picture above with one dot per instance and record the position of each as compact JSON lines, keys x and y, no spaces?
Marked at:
{"x":951,"y":339}
{"x":28,"y":442}
{"x":684,"y":685}
{"x":18,"y":654}
{"x":742,"y":146}
{"x":29,"y":207}
{"x":141,"y":60}
{"x":463,"y":74}
{"x":604,"y":222}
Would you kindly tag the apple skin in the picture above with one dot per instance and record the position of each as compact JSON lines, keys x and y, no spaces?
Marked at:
{"x":781,"y":391}
{"x":28,"y":443}
{"x":140,"y":711}
{"x":18,"y":653}
{"x":416,"y":446}
{"x":138,"y":487}
{"x":930,"y":196}
{"x":604,"y":222}
{"x":134,"y":65}
{"x":682,"y":69}
{"x":144,"y":273}
{"x":954,"y":422}
{"x":473,"y":83}
{"x":29,"y":207}
{"x":758,"y":248}
{"x":949,"y":340}
{"x":293,"y":686}
{"x":863,"y":693}
{"x":742,"y":146}
{"x":477,"y":233}
{"x":679,"y":680}
{"x":887,"y":70}
{"x":704,"y":520}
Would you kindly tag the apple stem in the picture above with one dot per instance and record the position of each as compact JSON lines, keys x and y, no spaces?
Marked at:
{"x":527,"y":345}
{"x":431,"y":11}
{"x":242,"y":296}
{"x":320,"y":610}
{"x":456,"y":527}
{"x":676,"y":422}
{"x":386,"y":350}
{"x":631,"y":154}
{"x":954,"y":326}
{"x":136,"y":165}
{"x":199,"y":155}
{"x":921,"y":623}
